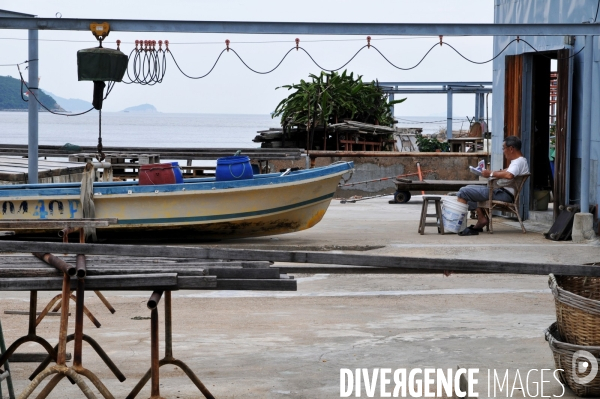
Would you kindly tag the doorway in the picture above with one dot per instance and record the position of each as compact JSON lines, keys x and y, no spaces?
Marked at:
{"x":537,"y":109}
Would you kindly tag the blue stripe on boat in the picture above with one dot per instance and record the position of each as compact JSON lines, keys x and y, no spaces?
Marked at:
{"x":226,"y":216}
{"x":200,"y":184}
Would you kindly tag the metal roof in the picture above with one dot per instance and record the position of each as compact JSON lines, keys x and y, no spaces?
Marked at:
{"x":12,"y":14}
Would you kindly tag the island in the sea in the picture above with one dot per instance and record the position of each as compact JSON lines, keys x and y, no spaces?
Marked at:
{"x":141,"y":108}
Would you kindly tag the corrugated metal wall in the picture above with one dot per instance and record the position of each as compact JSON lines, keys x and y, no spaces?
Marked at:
{"x":550,"y":11}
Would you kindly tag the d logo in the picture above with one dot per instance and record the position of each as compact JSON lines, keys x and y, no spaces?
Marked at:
{"x":580,"y":366}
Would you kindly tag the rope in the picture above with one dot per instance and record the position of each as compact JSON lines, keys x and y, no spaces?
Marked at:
{"x":86,"y":198}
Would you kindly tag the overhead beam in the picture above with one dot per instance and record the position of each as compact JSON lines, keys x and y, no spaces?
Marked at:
{"x":439,"y":91}
{"x":304,"y":28}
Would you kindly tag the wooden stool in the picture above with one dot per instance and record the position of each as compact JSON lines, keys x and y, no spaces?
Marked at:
{"x":438,"y":215}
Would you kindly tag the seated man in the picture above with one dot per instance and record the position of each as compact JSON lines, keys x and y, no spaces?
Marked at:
{"x":472,"y":194}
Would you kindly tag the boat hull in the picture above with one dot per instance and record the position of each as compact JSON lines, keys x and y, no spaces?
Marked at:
{"x":199,"y":209}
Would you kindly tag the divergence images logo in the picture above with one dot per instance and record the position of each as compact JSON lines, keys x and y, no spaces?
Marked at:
{"x":579,"y":366}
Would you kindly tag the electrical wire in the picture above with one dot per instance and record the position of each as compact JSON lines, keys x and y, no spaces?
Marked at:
{"x":346,"y":63}
{"x":20,"y":63}
{"x":552,"y":58}
{"x":196,"y":77}
{"x":267,"y":72}
{"x":110,"y":87}
{"x":148,"y":68}
{"x":597,"y":8}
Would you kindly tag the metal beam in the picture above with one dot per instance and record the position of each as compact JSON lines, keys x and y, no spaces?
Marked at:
{"x":441,"y":84}
{"x":33,"y":122}
{"x":305,"y":28}
{"x":439,"y":91}
{"x":586,"y":124}
{"x":449,"y":114}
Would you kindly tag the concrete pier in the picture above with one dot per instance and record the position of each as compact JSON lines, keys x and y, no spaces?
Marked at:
{"x":293,"y":345}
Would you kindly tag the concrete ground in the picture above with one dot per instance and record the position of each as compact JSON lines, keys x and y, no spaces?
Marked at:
{"x":293,"y":344}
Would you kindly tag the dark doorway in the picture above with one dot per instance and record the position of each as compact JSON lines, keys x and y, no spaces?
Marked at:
{"x":537,"y":109}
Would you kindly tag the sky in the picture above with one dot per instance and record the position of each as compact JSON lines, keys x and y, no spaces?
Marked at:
{"x":231,"y":87}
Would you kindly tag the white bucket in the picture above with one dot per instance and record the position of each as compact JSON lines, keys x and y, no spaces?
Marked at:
{"x":454,"y":215}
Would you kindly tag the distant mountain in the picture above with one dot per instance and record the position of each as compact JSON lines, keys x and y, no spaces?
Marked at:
{"x":141,"y":108}
{"x":71,"y":104}
{"x":11,"y":92}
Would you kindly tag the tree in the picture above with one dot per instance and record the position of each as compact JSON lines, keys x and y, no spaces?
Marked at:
{"x":332,"y":98}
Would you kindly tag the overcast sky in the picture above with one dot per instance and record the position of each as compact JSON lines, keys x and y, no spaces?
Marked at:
{"x":231,"y":88}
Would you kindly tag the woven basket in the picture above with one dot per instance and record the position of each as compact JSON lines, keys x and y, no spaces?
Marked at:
{"x":577,"y":301}
{"x":563,"y":360}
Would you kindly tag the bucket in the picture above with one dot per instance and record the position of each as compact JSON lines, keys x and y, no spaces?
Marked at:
{"x":177,"y":173}
{"x":541,"y":199}
{"x":454,"y":215}
{"x":157,"y":173}
{"x":233,"y":168}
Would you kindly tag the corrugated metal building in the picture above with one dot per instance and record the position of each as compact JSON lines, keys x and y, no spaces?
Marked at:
{"x":522,"y":91}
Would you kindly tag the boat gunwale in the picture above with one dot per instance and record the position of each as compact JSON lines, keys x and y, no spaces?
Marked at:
{"x":190,"y":186}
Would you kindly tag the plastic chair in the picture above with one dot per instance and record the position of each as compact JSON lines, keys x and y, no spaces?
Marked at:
{"x":491,"y":204}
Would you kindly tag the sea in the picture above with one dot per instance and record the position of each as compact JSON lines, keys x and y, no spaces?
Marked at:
{"x":157,"y":129}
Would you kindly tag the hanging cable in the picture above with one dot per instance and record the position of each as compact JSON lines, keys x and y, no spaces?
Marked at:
{"x":100,"y":156}
{"x":196,"y":77}
{"x":110,"y":87}
{"x":149,"y":64}
{"x":20,"y":63}
{"x":552,"y":58}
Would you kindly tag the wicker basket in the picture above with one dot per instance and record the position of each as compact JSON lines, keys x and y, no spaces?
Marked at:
{"x":563,"y":360}
{"x":577,"y":301}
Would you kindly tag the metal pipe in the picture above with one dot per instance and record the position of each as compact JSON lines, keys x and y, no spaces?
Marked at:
{"x":80,"y":268}
{"x":105,"y":302}
{"x":154,"y":299}
{"x":306,"y":28}
{"x":11,"y":391}
{"x":57,"y":263}
{"x":79,"y":323}
{"x":447,"y":83}
{"x":32,"y":148}
{"x":586,"y":128}
{"x":384,"y":178}
{"x":154,"y":366}
{"x":64,"y":233}
{"x":61,"y":357}
{"x":89,"y":314}
{"x":449,"y":114}
{"x":168,"y":327}
{"x":193,"y":377}
{"x":420,"y":175}
{"x":111,"y":365}
{"x":44,"y":312}
{"x":32,"y":312}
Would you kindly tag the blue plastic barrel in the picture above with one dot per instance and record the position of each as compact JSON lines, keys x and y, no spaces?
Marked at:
{"x":177,"y":172}
{"x":233,"y":168}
